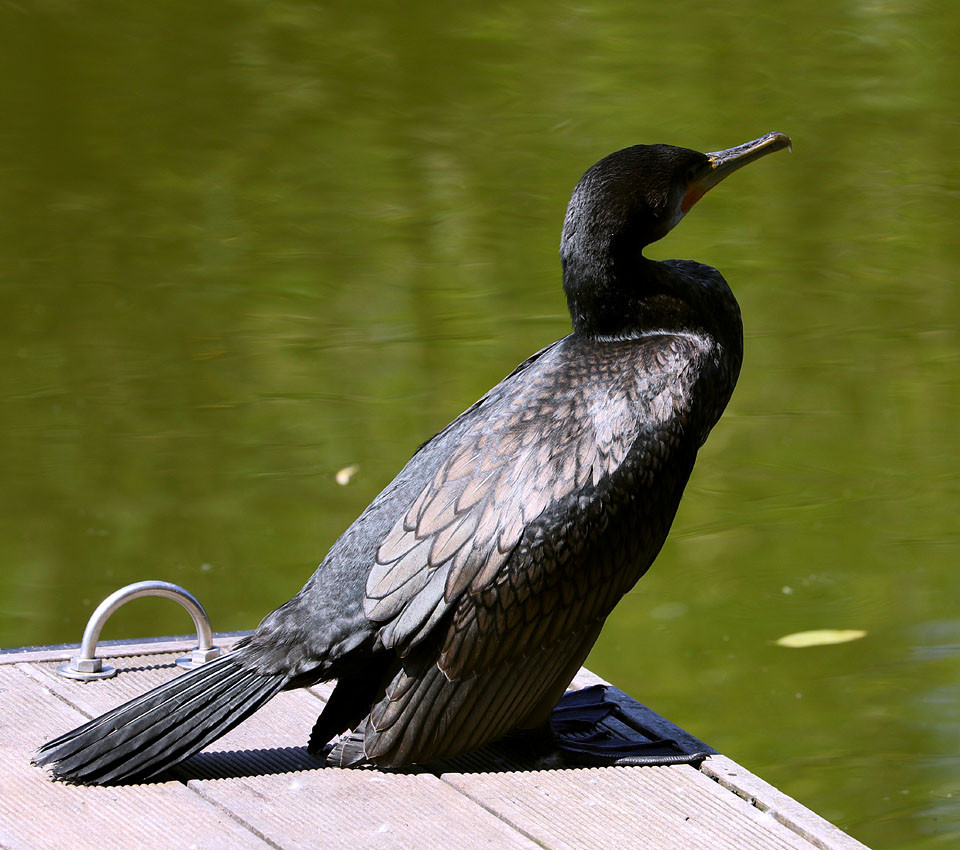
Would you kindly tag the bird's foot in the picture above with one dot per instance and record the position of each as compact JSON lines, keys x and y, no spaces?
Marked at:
{"x":347,"y":750}
{"x":591,"y":730}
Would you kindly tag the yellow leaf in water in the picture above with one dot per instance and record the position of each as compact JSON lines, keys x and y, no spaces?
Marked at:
{"x":820,"y":637}
{"x":344,"y":475}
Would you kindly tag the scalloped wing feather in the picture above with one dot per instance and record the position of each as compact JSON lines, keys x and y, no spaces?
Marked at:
{"x":554,"y":439}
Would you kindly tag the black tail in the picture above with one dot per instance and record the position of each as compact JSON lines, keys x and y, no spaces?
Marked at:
{"x":162,"y":727}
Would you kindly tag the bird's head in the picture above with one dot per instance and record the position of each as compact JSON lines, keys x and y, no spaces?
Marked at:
{"x":634,"y":197}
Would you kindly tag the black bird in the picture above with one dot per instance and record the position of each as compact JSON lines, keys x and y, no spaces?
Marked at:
{"x":463,"y":600}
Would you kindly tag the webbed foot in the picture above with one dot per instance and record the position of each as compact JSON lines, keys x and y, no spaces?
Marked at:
{"x":591,"y":729}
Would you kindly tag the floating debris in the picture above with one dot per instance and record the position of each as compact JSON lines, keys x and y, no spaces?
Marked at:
{"x":344,"y":475}
{"x":820,"y":637}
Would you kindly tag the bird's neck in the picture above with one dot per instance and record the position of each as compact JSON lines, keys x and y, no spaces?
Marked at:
{"x":624,"y":301}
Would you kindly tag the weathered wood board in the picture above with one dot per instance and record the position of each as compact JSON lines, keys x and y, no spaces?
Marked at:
{"x":257,"y":787}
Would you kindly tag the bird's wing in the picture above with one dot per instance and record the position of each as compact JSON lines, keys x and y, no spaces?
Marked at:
{"x":530,"y":458}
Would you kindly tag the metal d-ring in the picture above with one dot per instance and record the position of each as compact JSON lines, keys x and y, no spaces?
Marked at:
{"x":86,"y":666}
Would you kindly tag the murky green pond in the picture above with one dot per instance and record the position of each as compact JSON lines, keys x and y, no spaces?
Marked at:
{"x":245,"y":245}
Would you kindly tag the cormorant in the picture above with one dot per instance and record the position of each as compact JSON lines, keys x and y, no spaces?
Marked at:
{"x":463,"y":600}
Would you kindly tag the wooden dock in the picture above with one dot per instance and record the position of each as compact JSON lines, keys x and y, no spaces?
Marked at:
{"x":258,"y":788}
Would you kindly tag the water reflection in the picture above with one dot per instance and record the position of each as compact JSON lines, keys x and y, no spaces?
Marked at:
{"x":244,"y":246}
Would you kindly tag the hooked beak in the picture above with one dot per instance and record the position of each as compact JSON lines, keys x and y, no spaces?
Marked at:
{"x":721,"y":163}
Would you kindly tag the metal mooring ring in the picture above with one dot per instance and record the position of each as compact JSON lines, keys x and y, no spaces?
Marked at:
{"x":87,"y":667}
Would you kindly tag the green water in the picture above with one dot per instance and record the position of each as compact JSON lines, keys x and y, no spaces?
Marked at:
{"x":244,"y":245}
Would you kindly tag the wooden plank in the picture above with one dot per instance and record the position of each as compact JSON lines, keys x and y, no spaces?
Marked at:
{"x":37,"y":813}
{"x":265,"y":758}
{"x":495,"y":798}
{"x":647,"y":808}
{"x":735,"y":778}
{"x":819,"y":832}
{"x":116,"y":649}
{"x":272,"y":740}
{"x":136,"y":674}
{"x":334,"y":808}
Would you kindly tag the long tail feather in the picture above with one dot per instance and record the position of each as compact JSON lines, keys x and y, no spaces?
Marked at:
{"x":161,"y":728}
